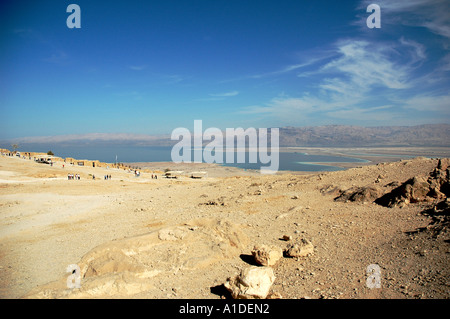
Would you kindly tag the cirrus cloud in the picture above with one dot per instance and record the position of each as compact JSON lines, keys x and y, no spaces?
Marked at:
{"x":351,"y":82}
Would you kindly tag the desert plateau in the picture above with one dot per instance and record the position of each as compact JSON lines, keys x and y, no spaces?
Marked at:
{"x":313,"y":234}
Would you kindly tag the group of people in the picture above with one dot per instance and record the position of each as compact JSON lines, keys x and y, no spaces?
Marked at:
{"x":106,"y":177}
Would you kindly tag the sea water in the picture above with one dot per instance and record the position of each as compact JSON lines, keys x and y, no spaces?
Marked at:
{"x":291,"y":161}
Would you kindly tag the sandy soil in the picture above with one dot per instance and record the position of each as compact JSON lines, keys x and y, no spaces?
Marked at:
{"x":182,"y":238}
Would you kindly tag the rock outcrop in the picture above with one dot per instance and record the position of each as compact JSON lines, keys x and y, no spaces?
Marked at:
{"x":252,"y":283}
{"x":130,"y":266}
{"x":435,"y":186}
{"x":360,"y":194}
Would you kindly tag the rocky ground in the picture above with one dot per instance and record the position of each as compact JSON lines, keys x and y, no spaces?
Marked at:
{"x":134,"y":237}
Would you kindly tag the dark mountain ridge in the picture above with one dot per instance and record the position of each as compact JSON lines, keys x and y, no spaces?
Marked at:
{"x":437,"y":135}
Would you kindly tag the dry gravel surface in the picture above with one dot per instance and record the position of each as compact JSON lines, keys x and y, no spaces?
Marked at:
{"x":183,"y":238}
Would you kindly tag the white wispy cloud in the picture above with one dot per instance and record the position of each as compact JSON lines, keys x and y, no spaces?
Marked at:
{"x":428,"y":103}
{"x":218,"y":96}
{"x":287,"y":105}
{"x":226,"y":94}
{"x":417,"y":53}
{"x":138,"y":67}
{"x":292,"y":67}
{"x":445,"y":63}
{"x":347,"y":83}
{"x":318,"y":56}
{"x":431,"y":14}
{"x":373,"y":81}
{"x":379,"y":113}
{"x":363,"y":65}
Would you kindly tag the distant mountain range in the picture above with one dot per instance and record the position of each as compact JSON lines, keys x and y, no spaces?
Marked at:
{"x":315,"y":136}
{"x":96,"y":138}
{"x":352,"y":136}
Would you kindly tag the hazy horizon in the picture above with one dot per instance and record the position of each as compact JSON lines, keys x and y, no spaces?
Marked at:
{"x":123,"y":136}
{"x":432,"y":135}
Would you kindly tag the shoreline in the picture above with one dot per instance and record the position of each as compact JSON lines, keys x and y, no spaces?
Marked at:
{"x":367,"y":155}
{"x":373,"y":152}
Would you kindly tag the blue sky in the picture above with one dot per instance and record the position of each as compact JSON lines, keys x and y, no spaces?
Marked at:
{"x":148,"y":67}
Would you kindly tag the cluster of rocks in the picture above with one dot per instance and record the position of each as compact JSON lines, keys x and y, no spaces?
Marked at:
{"x":254,"y":282}
{"x":440,"y":220}
{"x":431,"y":188}
{"x":218,"y":202}
{"x":360,"y":194}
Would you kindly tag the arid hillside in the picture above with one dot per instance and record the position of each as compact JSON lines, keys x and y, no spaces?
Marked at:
{"x":307,"y":236}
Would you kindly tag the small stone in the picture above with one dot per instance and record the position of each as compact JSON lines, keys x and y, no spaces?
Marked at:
{"x":267,"y":255}
{"x":302,"y":248}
